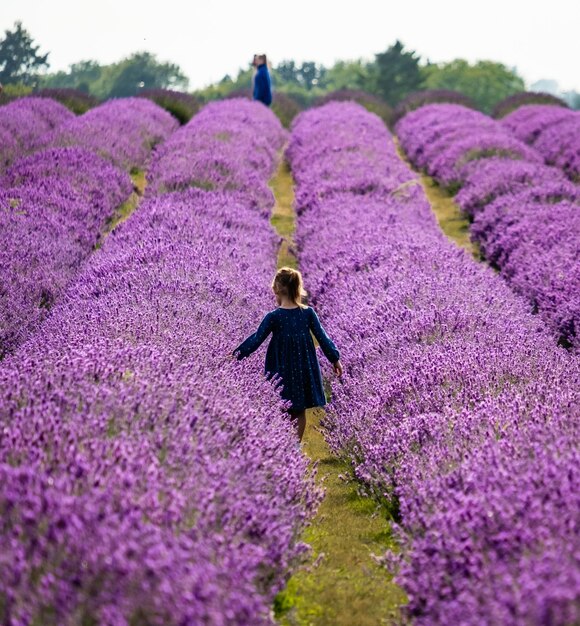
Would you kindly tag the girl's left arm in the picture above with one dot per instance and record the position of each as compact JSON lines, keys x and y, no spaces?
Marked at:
{"x":325,"y":342}
{"x":253,"y":342}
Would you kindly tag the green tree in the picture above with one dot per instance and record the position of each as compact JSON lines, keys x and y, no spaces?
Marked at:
{"x":349,"y":75}
{"x":19,"y":57}
{"x":140,"y":71}
{"x":226,"y":86}
{"x":486,"y":82}
{"x":287,"y":73}
{"x":572,"y":98}
{"x":309,"y":75}
{"x":81,"y":76}
{"x":396,"y":73}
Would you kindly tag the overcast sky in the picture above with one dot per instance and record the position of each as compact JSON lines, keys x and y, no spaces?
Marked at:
{"x":211,"y":38}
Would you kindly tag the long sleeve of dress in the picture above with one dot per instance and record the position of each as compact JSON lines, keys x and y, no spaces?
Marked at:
{"x":253,"y":342}
{"x":328,"y":347}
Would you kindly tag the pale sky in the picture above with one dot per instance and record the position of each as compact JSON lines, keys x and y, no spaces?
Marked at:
{"x":211,"y":38}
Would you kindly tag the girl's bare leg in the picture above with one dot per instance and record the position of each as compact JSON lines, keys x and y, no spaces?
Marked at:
{"x":299,"y":419}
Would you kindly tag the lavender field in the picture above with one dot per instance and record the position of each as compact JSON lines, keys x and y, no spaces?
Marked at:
{"x":148,"y":478}
{"x":524,"y":209}
{"x":458,"y":407}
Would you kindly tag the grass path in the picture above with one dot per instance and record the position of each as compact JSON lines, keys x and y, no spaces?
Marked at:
{"x":122,"y":213}
{"x":449,"y":216}
{"x":341,"y":585}
{"x":283,"y":218}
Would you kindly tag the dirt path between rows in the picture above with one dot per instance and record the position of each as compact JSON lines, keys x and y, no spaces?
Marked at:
{"x":451,"y":220}
{"x":340,"y":585}
{"x":139,"y":179}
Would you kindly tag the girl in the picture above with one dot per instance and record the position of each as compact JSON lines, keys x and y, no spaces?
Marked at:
{"x":291,"y":353}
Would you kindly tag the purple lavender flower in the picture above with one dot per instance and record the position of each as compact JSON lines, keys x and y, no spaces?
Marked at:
{"x":462,"y":148}
{"x":55,"y":203}
{"x":418,"y":99}
{"x":74,"y":99}
{"x":367,"y":168}
{"x":23,"y":121}
{"x":228,"y":146}
{"x":525,"y":98}
{"x":123,"y":130}
{"x":553,"y":131}
{"x":487,"y":179}
{"x":527,"y":122}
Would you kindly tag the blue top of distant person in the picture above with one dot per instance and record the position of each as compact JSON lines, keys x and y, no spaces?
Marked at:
{"x":262,"y":85}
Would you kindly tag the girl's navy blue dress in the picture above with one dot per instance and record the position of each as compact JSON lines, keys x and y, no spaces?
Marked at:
{"x":291,"y":353}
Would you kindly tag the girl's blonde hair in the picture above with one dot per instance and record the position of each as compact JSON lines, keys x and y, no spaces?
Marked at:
{"x":288,"y":282}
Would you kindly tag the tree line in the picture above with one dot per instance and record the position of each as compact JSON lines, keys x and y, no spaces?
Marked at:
{"x":22,"y":67}
{"x":391,"y":75}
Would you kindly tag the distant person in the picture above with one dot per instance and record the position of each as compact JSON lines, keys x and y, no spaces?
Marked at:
{"x":291,"y":354}
{"x":262,"y":84}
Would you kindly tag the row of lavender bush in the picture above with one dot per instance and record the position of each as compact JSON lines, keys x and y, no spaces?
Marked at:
{"x":553,"y":131}
{"x":75,"y":100}
{"x":53,"y":206}
{"x":205,"y":153}
{"x":123,"y":131}
{"x":456,"y":407}
{"x":56,"y":202}
{"x":525,"y":213}
{"x":145,"y":476}
{"x":23,"y":122}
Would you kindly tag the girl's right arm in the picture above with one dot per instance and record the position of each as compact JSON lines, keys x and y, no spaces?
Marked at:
{"x":253,"y":342}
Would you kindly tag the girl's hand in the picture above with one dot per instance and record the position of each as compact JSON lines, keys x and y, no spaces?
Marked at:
{"x":337,"y":367}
